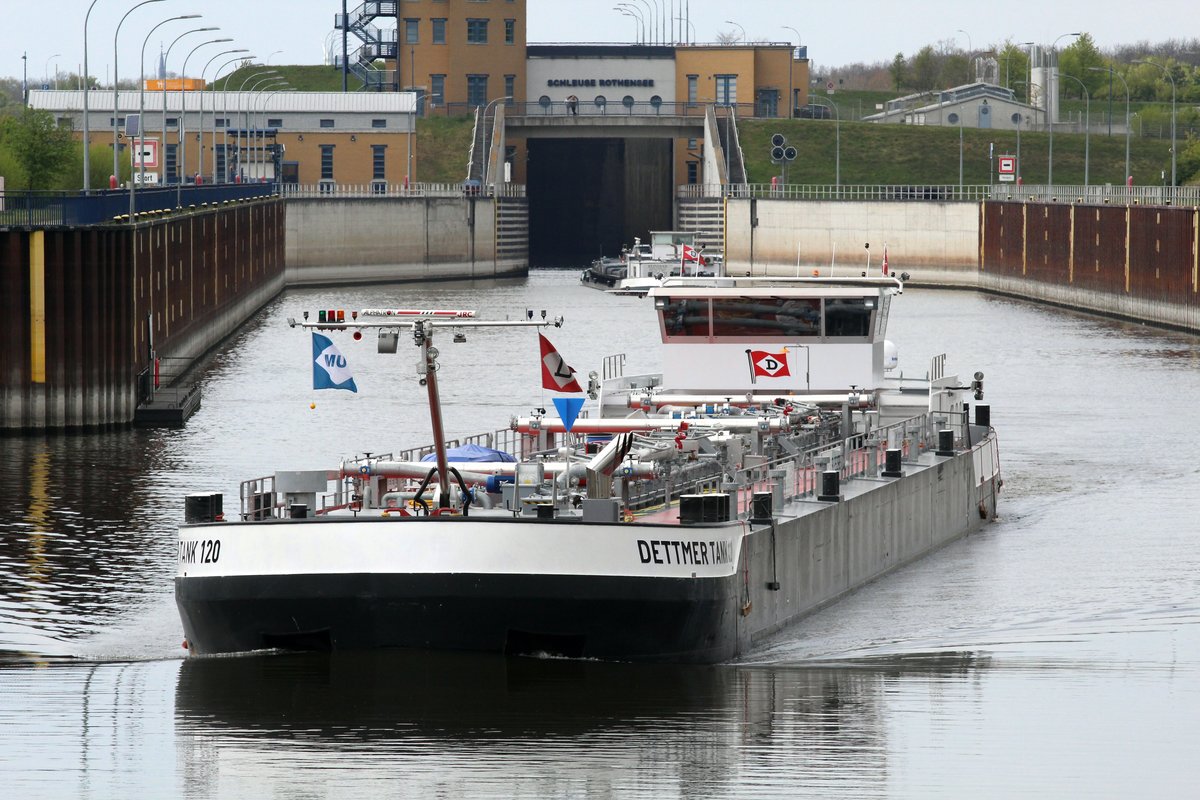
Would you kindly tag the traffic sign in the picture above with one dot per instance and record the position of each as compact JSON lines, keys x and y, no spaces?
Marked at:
{"x":144,"y":153}
{"x":1007,"y":165}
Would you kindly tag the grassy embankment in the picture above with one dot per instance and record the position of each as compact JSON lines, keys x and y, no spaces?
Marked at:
{"x":873,"y":153}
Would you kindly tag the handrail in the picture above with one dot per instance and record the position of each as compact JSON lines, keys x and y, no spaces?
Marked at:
{"x":952,"y":193}
{"x":381,"y":189}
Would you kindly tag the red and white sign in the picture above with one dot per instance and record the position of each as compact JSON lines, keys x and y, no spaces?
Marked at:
{"x":557,"y":375}
{"x":1007,"y":165}
{"x":769,"y":365}
{"x":144,"y":152}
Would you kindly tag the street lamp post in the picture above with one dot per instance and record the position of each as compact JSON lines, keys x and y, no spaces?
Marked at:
{"x":247,"y":113}
{"x":263,"y":111}
{"x":141,"y":133}
{"x":116,"y":109}
{"x":1087,"y":127}
{"x":1008,"y":62}
{"x":837,"y":159}
{"x":46,"y":72}
{"x":739,"y":27}
{"x":1167,"y":72}
{"x":183,"y":119}
{"x":959,"y":114}
{"x":970,"y":50}
{"x":200,"y":124}
{"x":791,"y":63}
{"x":237,"y":112}
{"x":1020,"y":121}
{"x":639,"y":24}
{"x":649,"y":19}
{"x":258,"y":156}
{"x":1111,"y":74}
{"x":166,"y":59}
{"x":87,"y":140}
{"x":1052,"y":106}
{"x":225,"y":111}
{"x":690,"y":28}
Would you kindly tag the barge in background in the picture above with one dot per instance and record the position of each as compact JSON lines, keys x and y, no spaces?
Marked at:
{"x":778,"y":463}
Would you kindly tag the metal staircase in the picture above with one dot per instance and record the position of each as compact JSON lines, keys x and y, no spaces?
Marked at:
{"x":734,"y":161}
{"x":376,"y":44}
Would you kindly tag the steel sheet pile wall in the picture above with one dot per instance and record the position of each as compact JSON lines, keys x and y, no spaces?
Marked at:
{"x":1137,"y":262}
{"x":77,"y":306}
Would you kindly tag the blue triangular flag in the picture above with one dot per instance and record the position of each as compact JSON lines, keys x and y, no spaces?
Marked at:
{"x":330,"y":369}
{"x":568,"y":410}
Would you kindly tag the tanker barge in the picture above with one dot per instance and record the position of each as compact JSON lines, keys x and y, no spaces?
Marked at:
{"x":779,"y":462}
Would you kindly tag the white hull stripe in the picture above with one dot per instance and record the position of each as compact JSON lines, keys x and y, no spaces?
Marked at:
{"x":429,"y":547}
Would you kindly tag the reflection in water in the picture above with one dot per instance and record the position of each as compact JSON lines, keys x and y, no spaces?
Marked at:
{"x":530,"y":727}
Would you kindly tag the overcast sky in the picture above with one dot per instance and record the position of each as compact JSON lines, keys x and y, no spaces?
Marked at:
{"x":835,"y":32}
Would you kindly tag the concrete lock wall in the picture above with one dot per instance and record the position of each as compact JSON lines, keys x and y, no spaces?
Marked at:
{"x":343,"y":241}
{"x":930,"y":235}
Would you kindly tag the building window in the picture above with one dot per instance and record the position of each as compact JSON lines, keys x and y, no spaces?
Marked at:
{"x":221,"y":122}
{"x":274,"y":122}
{"x":510,"y":31}
{"x":437,"y":90}
{"x":222,"y":162}
{"x":439,"y":31}
{"x":326,"y":162}
{"x":693,"y":168}
{"x":378,"y":162}
{"x":172,"y":122}
{"x":412,"y":28}
{"x":119,"y":122}
{"x":171,"y":163}
{"x":65,"y":122}
{"x":379,"y":123}
{"x":477,"y":90}
{"x":726,"y":90}
{"x":326,"y":123}
{"x":510,"y":85}
{"x":477,"y":31}
{"x":693,"y":144}
{"x":693,"y":88}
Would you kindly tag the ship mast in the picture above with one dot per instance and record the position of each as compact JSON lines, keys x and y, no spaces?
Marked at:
{"x":422,"y":324}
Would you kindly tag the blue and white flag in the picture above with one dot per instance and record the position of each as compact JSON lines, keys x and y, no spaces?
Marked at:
{"x":330,"y":369}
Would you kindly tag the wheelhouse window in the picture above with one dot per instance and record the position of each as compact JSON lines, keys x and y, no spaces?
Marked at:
{"x":849,"y":317}
{"x":767,"y":318}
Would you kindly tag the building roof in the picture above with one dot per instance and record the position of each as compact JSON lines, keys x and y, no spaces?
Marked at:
{"x":130,"y":100}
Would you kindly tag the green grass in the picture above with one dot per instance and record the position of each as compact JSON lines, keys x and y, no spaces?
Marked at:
{"x":301,"y":77}
{"x":443,"y":147}
{"x":902,"y":154}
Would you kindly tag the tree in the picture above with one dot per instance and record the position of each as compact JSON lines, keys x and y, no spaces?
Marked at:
{"x":899,"y":71}
{"x":925,"y":68}
{"x":1077,"y":60}
{"x":1014,"y":66}
{"x":42,"y":149}
{"x":1188,"y":165}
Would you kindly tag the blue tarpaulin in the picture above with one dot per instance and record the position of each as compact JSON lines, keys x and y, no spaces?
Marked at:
{"x":473,"y":452}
